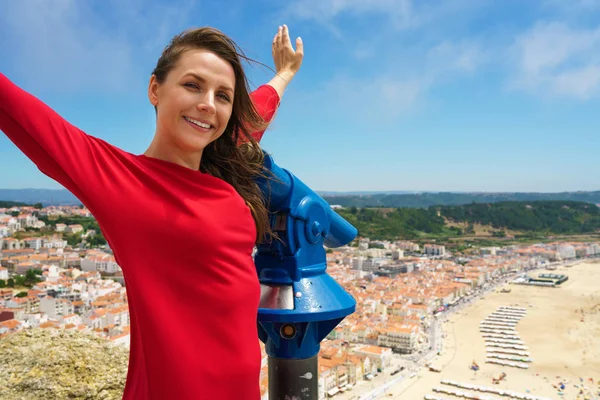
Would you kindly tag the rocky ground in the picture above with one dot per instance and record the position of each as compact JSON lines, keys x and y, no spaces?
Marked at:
{"x":55,"y":364}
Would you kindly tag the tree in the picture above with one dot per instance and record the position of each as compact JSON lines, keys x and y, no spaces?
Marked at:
{"x":73,"y":239}
{"x":456,"y":229}
{"x":96,"y":240}
{"x":21,"y":294}
{"x":19,"y":280}
{"x":2,"y":283}
{"x":470,"y":229}
{"x":10,"y":282}
{"x":31,"y":277}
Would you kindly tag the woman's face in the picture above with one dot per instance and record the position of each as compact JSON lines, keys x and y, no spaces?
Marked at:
{"x":194,"y":103}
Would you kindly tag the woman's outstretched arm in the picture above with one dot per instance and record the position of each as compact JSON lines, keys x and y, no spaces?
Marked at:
{"x":287,"y":62}
{"x":60,"y":150}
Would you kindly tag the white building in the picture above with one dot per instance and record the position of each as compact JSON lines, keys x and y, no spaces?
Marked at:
{"x":53,"y":274}
{"x":489,"y":251}
{"x":56,"y":308}
{"x":3,"y":273}
{"x":13,"y":225}
{"x":381,"y":356}
{"x":371,"y":264}
{"x":95,"y":322}
{"x":434,"y":250}
{"x":72,"y":319}
{"x":363,"y":243}
{"x":566,"y":251}
{"x":407,"y":246}
{"x":28,"y":220}
{"x":34,"y":320}
{"x":74,"y":228}
{"x":376,"y":253}
{"x":357,"y":262}
{"x":118,"y":316}
{"x":402,"y":339}
{"x":34,"y":243}
{"x":101,"y":262}
{"x":121,"y":340}
{"x":55,"y":243}
{"x":397,"y":254}
{"x":102,"y":288}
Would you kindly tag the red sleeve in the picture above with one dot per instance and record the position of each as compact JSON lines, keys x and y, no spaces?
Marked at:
{"x":266,"y":102}
{"x":79,"y":162}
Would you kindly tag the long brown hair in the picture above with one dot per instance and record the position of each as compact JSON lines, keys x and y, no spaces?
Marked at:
{"x":225,"y":158}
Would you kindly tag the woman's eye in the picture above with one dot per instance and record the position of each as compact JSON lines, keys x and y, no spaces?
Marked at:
{"x":224,"y":97}
{"x":191,"y":85}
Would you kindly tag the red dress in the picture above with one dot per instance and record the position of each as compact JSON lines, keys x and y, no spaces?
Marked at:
{"x":184,"y":241}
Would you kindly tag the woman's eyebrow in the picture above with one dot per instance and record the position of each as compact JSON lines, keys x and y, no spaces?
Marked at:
{"x":201,"y":79}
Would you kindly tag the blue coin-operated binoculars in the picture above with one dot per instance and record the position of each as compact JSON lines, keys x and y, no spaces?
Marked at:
{"x":300,"y":304}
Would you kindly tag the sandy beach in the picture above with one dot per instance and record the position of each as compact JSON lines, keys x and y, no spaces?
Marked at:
{"x":563,"y":348}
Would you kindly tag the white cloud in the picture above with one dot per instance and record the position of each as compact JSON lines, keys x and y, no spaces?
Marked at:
{"x":398,"y":95}
{"x":366,"y":101}
{"x":377,"y":35}
{"x":403,"y":46}
{"x":400,"y":11}
{"x":551,"y":58}
{"x":549,"y":45}
{"x":573,"y":6}
{"x":363,"y":50}
{"x":581,"y":83}
{"x":64,"y":45}
{"x":463,"y":56}
{"x":398,"y":15}
{"x":398,"y":87}
{"x":558,"y":60}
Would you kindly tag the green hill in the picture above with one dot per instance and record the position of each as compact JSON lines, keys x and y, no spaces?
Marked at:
{"x":542,"y":217}
{"x":424,"y":200}
{"x":9,"y":204}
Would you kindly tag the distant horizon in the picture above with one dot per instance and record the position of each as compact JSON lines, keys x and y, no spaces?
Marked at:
{"x":361,"y":191}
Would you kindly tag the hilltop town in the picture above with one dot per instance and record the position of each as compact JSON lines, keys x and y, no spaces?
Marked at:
{"x":401,"y":289}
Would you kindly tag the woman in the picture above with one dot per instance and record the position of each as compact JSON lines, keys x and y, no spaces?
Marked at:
{"x":182,"y":218}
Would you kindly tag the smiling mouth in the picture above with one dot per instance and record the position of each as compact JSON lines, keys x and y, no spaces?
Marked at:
{"x":197,"y":123}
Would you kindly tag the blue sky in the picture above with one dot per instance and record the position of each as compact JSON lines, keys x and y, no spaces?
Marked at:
{"x":450,"y":95}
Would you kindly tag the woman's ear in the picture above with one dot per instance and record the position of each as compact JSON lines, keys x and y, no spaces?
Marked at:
{"x":153,"y":91}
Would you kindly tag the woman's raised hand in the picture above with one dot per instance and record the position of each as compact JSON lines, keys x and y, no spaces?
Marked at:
{"x":287,"y":60}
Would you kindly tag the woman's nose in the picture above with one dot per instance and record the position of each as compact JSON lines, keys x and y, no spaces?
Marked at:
{"x":207,"y":103}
